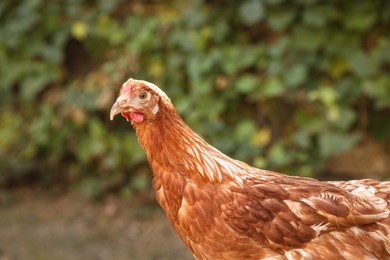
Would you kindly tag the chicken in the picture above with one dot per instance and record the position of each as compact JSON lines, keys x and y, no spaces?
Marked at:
{"x":225,"y":209}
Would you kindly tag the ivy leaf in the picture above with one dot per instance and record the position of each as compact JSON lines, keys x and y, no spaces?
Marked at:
{"x":296,"y":76}
{"x":360,"y":18}
{"x":362,"y":64}
{"x":280,"y":18}
{"x":245,"y":130}
{"x":308,"y":38}
{"x":338,"y":67}
{"x":301,"y":138}
{"x":252,"y":12}
{"x":247,"y":83}
{"x":35,"y":83}
{"x":319,"y":16}
{"x":278,"y":155}
{"x":335,"y":143}
{"x":270,"y":88}
{"x":346,"y":118}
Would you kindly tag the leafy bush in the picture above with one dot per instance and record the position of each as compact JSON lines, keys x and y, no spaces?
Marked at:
{"x":278,"y":84}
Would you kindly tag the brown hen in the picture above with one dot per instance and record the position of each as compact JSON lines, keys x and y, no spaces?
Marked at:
{"x":225,"y":209}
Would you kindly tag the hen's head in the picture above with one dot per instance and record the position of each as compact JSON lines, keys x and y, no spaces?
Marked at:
{"x":138,"y":101}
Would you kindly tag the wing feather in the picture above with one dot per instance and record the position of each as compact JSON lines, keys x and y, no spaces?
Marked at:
{"x":292,"y":211}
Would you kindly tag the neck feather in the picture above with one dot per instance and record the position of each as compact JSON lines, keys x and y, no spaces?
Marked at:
{"x":170,"y":144}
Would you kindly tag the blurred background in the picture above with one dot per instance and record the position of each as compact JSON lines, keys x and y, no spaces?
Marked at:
{"x":301,"y":87}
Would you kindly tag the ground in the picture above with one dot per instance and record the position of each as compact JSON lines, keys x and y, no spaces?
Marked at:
{"x":36,"y":224}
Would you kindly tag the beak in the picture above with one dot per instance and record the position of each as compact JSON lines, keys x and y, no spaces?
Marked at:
{"x":115,"y":109}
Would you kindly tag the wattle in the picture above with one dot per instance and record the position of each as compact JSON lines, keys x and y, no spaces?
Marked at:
{"x":137,"y":117}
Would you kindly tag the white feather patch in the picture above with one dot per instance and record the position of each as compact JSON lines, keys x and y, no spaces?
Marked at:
{"x":155,"y":109}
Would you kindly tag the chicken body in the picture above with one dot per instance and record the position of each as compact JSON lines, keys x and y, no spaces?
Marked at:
{"x":225,"y":209}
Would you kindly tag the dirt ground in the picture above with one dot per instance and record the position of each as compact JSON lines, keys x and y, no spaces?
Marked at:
{"x":40,"y":225}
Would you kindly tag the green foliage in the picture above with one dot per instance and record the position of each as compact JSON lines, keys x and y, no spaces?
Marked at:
{"x":280,"y":85}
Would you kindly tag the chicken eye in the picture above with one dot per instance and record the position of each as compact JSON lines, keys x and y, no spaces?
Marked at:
{"x":143,"y":95}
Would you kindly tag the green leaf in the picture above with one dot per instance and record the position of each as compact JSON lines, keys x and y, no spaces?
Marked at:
{"x":311,"y":122}
{"x":335,"y":143}
{"x":252,"y":11}
{"x":278,"y":155}
{"x":296,"y":75}
{"x":360,"y":17}
{"x":319,"y":16}
{"x":140,"y":182}
{"x":379,"y":89}
{"x":347,"y":117}
{"x":280,"y":18}
{"x":271,"y":88}
{"x":279,"y":48}
{"x":33,"y":85}
{"x":247,"y":83}
{"x":302,"y":138}
{"x":362,"y":64}
{"x":244,"y":130}
{"x":308,"y":38}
